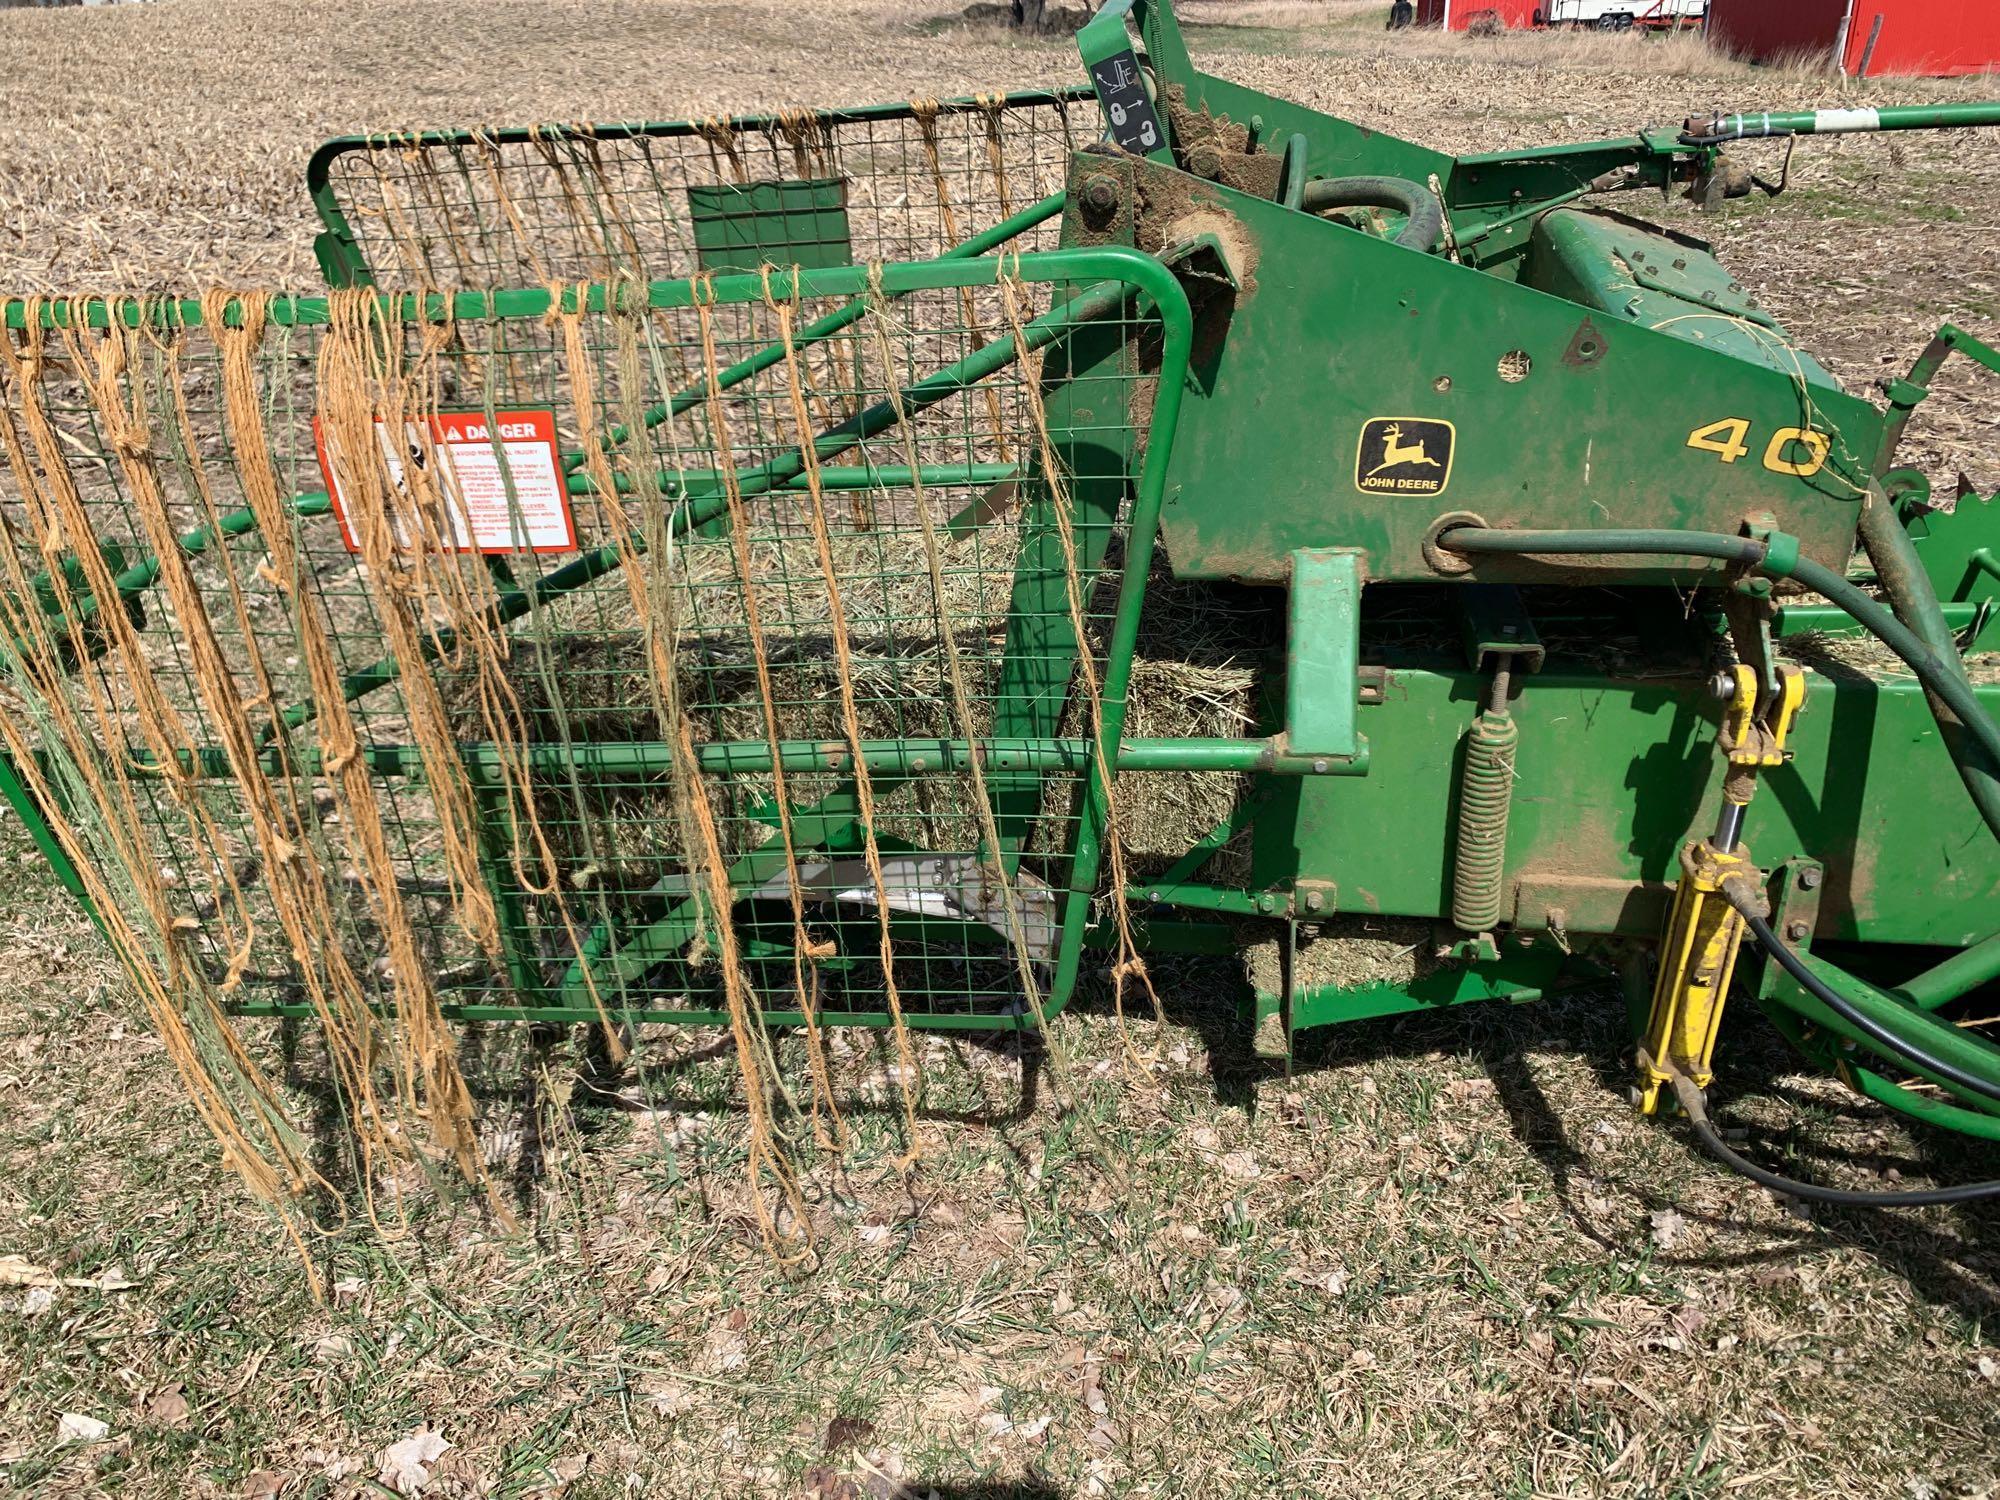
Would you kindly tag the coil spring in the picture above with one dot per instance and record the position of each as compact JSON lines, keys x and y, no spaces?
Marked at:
{"x":1485,"y":793}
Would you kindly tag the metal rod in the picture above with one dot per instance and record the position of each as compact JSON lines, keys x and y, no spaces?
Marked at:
{"x":1728,"y":828}
{"x":1958,"y":975}
{"x":1719,"y":128}
{"x":916,"y":1020}
{"x":632,"y":760}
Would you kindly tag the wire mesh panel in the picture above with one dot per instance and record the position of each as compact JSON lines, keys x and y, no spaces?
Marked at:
{"x":365,"y":657}
{"x":524,"y":206}
{"x":726,"y":649}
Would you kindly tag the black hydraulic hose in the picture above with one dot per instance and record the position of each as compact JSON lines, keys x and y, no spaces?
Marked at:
{"x":1900,"y":1048}
{"x":1941,"y":681}
{"x":1930,"y":668}
{"x":1900,"y":572}
{"x":1696,"y":1110}
{"x":1419,"y":203}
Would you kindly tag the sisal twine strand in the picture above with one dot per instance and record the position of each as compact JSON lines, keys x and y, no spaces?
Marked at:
{"x":1129,"y":963}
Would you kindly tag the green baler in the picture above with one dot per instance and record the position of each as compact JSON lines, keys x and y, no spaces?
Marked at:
{"x":1519,"y":508}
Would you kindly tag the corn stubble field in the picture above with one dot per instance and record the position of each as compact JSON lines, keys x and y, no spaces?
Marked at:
{"x":1440,"y":1257}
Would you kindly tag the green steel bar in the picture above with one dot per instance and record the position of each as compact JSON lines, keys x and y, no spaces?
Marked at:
{"x":1829,"y":619}
{"x":1824,"y":1050}
{"x":686,"y":484}
{"x":1961,"y":1048}
{"x":30,"y":813}
{"x":895,"y":279}
{"x":1323,"y":650}
{"x":1197,"y":897}
{"x":817,"y":330}
{"x":1142,"y":534}
{"x":617,"y":761}
{"x":1958,"y":975}
{"x":144,"y":574}
{"x":497,"y":838}
{"x":916,"y":1020}
{"x":1720,"y":128}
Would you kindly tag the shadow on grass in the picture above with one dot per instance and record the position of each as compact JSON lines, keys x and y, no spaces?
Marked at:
{"x":1949,"y":1261}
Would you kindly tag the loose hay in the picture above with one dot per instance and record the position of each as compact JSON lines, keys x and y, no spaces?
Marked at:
{"x":1348,"y":952}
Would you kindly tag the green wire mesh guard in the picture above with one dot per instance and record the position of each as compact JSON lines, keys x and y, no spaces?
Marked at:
{"x":857,"y":545}
{"x":528,"y":205}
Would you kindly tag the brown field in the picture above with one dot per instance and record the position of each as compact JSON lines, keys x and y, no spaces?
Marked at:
{"x":1441,"y":1257}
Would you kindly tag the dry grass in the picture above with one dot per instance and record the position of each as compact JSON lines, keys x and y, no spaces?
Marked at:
{"x":1440,"y":1258}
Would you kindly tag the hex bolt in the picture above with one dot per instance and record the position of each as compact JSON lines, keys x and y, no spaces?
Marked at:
{"x":1810,"y":877}
{"x":1314,"y":900}
{"x":1798,"y":932}
{"x":1320,"y":765}
{"x":1099,"y":197}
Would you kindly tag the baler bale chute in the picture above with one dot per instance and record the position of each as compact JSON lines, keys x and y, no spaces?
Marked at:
{"x":879,"y":567}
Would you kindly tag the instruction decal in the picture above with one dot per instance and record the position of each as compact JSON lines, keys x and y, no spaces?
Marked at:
{"x":478,"y":456}
{"x":1404,"y":456}
{"x":1122,"y":91}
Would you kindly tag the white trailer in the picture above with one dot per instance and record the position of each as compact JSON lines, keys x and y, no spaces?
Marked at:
{"x":1622,"y":15}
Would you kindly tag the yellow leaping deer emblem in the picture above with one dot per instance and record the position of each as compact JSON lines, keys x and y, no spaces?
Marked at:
{"x":1395,"y":451}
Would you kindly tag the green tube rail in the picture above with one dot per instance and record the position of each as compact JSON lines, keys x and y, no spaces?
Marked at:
{"x":611,"y":762}
{"x":1754,"y":126}
{"x":1957,"y":976}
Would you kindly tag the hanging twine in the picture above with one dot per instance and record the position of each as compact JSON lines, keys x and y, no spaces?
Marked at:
{"x":1129,"y":964}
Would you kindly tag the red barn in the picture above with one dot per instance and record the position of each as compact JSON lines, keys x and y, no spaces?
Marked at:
{"x":1933,"y":37}
{"x":1456,"y":15}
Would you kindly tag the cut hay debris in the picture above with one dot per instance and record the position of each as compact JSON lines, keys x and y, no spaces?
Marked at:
{"x":1347,"y":952}
{"x":1844,"y":653}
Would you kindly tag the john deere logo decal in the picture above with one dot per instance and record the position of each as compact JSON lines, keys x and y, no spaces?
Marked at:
{"x":1404,"y":456}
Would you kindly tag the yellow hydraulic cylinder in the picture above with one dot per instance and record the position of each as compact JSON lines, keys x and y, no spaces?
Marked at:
{"x":1696,"y":964}
{"x":1704,"y":932}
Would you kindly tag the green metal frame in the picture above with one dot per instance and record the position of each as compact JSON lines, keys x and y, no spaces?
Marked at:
{"x":1630,"y":341}
{"x":338,"y":250}
{"x":1106,"y":281}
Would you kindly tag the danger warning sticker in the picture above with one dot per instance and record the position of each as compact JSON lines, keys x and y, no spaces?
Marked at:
{"x":1404,"y":456}
{"x":478,"y":456}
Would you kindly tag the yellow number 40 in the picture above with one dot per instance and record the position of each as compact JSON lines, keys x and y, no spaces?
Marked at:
{"x":1724,"y":437}
{"x":1729,"y":441}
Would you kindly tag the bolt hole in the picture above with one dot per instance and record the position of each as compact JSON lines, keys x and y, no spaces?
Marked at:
{"x":1441,"y":384}
{"x":1588,"y":348}
{"x":1515,"y":365}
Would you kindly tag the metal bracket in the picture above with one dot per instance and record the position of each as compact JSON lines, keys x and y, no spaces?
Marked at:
{"x":1795,"y":888}
{"x":1323,"y":652}
{"x":1496,"y":623}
